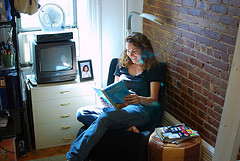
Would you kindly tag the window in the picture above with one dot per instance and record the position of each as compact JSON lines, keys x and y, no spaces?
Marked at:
{"x":31,"y":22}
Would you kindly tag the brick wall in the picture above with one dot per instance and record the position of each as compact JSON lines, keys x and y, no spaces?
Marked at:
{"x":197,"y":42}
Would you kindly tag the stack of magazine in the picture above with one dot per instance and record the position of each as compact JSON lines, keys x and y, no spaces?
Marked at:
{"x":176,"y":133}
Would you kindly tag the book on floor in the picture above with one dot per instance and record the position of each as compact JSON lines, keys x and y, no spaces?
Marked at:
{"x":114,"y":94}
{"x":175,"y":133}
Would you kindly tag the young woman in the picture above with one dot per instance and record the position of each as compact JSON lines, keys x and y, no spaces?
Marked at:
{"x":139,"y":70}
{"x":85,"y":72}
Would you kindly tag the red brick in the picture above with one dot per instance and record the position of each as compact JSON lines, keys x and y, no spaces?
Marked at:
{"x":206,"y":84}
{"x":230,"y":50}
{"x":182,"y":25}
{"x":216,"y":99}
{"x":177,"y":1}
{"x":233,"y":11}
{"x":187,"y":97}
{"x":219,"y":9}
{"x":210,"y":128}
{"x":217,"y":54}
{"x":184,"y":110}
{"x":200,"y":105}
{"x":211,"y":69}
{"x":203,"y":23}
{"x":235,"y":3}
{"x":228,"y":39}
{"x":219,"y":82}
{"x":191,"y":123}
{"x":225,"y":56}
{"x":220,"y":64}
{"x":203,"y":40}
{"x":212,"y":17}
{"x":190,"y":3}
{"x":192,"y":108}
{"x":196,"y":118}
{"x":225,"y":75}
{"x":232,"y":30}
{"x":194,"y":78}
{"x":211,"y":34}
{"x":215,"y":1}
{"x":190,"y":19}
{"x":213,"y":122}
{"x":196,"y":62}
{"x":203,"y":74}
{"x":188,"y":35}
{"x":203,"y":5}
{"x":219,"y":46}
{"x":227,"y":20}
{"x":203,"y":57}
{"x":218,"y":27}
{"x":177,"y":47}
{"x":181,"y":71}
{"x":203,"y":115}
{"x":183,"y":9}
{"x":182,"y":56}
{"x":160,"y":4}
{"x":214,"y":114}
{"x":188,"y":82}
{"x":196,"y":29}
{"x":218,"y":108}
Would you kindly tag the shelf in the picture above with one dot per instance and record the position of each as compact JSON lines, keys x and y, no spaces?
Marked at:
{"x":10,"y":68}
{"x":4,"y":24}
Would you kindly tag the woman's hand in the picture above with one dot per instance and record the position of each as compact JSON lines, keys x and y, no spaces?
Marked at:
{"x":132,"y":99}
{"x":133,"y":129}
{"x":104,"y":103}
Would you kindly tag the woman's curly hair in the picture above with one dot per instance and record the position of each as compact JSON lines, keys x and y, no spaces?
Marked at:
{"x":148,"y":58}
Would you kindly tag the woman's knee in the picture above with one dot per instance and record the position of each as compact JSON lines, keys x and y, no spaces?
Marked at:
{"x":85,"y":116}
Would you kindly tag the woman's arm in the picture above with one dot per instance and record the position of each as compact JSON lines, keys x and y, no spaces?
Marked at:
{"x":154,"y":90}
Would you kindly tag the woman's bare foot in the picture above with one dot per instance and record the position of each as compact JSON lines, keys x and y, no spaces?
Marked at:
{"x":133,"y":129}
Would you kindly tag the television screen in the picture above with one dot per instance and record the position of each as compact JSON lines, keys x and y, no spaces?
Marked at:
{"x":56,"y":59}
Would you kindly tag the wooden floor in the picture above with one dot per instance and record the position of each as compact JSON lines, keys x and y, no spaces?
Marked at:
{"x":42,"y":153}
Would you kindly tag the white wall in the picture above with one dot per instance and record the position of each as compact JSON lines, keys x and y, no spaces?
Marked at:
{"x":102,"y":29}
{"x":114,"y":18}
{"x":135,"y":5}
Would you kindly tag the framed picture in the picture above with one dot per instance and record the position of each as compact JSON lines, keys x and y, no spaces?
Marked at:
{"x":85,"y":70}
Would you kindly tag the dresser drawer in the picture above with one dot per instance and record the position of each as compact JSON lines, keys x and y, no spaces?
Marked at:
{"x":59,"y":128}
{"x":62,"y":91}
{"x":46,"y":141}
{"x":63,"y":104}
{"x":56,"y":134}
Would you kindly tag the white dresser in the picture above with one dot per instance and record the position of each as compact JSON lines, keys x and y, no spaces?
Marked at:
{"x":54,"y":108}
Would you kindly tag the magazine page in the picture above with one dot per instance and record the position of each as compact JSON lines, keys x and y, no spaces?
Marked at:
{"x":179,"y":132}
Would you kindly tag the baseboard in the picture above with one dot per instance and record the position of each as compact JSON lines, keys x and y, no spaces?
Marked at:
{"x":207,"y":149}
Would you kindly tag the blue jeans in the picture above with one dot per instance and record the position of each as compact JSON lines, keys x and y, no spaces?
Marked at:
{"x":132,"y":115}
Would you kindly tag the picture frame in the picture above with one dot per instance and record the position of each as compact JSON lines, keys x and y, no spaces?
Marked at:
{"x":87,"y":66}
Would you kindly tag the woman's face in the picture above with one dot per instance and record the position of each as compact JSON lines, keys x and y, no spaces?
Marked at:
{"x":85,"y":69}
{"x":134,"y":53}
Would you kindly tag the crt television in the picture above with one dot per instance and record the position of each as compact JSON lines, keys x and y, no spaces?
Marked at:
{"x":54,"y":61}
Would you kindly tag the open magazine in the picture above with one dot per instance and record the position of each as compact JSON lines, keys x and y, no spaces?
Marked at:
{"x":175,"y":133}
{"x":114,"y":94}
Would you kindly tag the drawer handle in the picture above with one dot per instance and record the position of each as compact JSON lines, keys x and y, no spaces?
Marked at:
{"x":64,"y":116}
{"x":66,"y":127}
{"x":67,"y":139}
{"x":63,"y":92}
{"x":64,"y":104}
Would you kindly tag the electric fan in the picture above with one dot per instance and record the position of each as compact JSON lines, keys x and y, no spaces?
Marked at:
{"x":52,"y":17}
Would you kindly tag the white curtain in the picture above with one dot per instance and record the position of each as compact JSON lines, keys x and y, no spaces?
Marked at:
{"x":102,"y":29}
{"x":89,"y":14}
